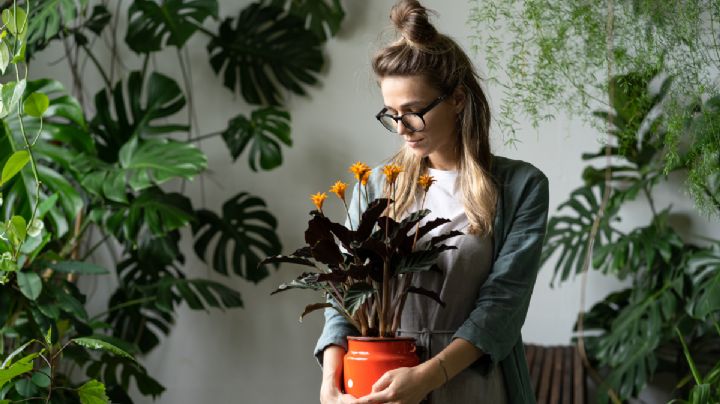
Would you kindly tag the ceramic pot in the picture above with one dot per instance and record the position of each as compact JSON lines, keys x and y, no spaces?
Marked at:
{"x":368,"y":358}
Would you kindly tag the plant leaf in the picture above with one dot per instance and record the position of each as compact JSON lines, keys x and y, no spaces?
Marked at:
{"x":30,"y":284}
{"x":141,"y":115}
{"x":78,"y":267}
{"x":153,"y":25}
{"x":36,"y":104}
{"x":48,"y":17}
{"x":14,"y":164}
{"x":262,"y":48}
{"x":23,"y":365}
{"x":312,"y":307}
{"x":93,"y":392}
{"x":95,"y":343}
{"x":356,"y":296}
{"x":264,"y":131}
{"x":245,"y":223}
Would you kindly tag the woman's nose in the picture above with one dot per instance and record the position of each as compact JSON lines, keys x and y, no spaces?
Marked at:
{"x":401,"y":128}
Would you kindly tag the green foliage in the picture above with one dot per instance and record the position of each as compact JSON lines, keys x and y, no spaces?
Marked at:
{"x":553,"y":56}
{"x":65,"y":178}
{"x":48,"y":17}
{"x":93,"y":392}
{"x":674,"y":283}
{"x":248,"y":226}
{"x":263,"y":125}
{"x":259,"y":57}
{"x":154,"y":25}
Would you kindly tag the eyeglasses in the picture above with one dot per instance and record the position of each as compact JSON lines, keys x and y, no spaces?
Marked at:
{"x":412,"y":121}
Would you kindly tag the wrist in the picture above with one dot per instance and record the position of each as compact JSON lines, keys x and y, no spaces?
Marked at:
{"x":434,"y":373}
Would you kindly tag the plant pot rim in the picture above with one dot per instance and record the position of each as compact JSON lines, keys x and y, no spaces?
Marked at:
{"x":380,"y":339}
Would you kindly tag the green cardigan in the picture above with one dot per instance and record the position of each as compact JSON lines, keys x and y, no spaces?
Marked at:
{"x":494,"y":325}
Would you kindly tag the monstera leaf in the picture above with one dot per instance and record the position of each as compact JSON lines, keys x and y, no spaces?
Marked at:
{"x":263,"y":125}
{"x":569,"y":234}
{"x":246,"y":230}
{"x":154,"y":25}
{"x":161,"y":99}
{"x":321,"y":18}
{"x":262,"y":48}
{"x":154,"y":210}
{"x":49,"y":17}
{"x":142,"y":164}
{"x":629,"y":347}
{"x":703,"y":267}
{"x":199,"y":294}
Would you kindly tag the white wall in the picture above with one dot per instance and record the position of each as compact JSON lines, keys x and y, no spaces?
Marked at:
{"x":260,"y":354}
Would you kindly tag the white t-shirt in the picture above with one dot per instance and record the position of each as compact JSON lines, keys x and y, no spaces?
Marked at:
{"x":465,"y":268}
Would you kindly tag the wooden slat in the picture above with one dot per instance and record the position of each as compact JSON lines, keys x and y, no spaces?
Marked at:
{"x":578,"y":378}
{"x":567,"y":374}
{"x":530,"y":354}
{"x":536,"y":368}
{"x":544,"y":391}
{"x":557,"y":375}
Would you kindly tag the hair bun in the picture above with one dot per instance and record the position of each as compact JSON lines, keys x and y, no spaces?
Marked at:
{"x":411,"y":20}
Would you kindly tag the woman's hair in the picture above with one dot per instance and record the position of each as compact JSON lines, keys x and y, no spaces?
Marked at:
{"x":422,"y":51}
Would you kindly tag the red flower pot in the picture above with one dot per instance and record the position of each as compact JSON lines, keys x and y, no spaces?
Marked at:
{"x":368,"y":358}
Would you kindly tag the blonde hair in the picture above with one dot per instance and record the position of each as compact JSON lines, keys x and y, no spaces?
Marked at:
{"x":421,"y":50}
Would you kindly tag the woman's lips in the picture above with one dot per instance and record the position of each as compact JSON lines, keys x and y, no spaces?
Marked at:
{"x":414,"y":143}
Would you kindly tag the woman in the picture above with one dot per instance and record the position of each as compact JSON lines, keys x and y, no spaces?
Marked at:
{"x":473,"y":351}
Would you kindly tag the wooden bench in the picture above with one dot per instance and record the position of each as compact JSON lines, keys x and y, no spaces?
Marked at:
{"x":557,"y":374}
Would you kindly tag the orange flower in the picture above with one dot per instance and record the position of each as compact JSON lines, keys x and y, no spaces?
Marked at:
{"x":391,"y":172}
{"x":339,"y":189}
{"x":318,"y":199}
{"x":360,"y":170}
{"x":425,"y":181}
{"x":365,"y":178}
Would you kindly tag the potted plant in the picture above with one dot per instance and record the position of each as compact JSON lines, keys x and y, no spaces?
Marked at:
{"x":365,"y":270}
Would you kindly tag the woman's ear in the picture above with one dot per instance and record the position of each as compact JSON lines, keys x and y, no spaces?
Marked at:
{"x":458,"y":99}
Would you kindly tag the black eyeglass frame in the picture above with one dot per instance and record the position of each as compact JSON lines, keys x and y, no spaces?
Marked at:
{"x":399,"y":118}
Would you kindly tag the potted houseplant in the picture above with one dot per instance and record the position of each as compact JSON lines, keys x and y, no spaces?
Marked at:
{"x":365,"y":270}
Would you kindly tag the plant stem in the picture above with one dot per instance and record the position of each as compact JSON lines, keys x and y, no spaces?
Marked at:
{"x":97,"y":64}
{"x":690,"y":361}
{"x":650,"y":201}
{"x":202,"y":137}
{"x":124,"y":305}
{"x":348,"y":212}
{"x":94,"y":247}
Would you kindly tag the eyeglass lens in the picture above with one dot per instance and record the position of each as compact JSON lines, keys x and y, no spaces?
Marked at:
{"x":411,"y":121}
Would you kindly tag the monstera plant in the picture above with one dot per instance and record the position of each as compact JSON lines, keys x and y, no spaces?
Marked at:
{"x":79,"y":174}
{"x":668,"y":319}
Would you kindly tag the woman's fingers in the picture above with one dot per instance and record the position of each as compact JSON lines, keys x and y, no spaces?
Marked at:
{"x":382,"y":383}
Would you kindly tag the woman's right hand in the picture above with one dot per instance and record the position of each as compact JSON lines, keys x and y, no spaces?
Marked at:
{"x":333,"y":395}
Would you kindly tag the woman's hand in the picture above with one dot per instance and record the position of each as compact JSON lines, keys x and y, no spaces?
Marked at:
{"x":333,"y":395}
{"x":404,"y":385}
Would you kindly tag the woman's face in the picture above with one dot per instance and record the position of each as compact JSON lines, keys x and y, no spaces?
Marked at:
{"x":402,"y":94}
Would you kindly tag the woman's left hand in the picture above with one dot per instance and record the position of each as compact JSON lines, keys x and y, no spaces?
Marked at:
{"x":402,"y":386}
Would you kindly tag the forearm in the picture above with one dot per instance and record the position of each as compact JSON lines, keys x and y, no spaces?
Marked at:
{"x":332,"y":366}
{"x":455,"y":358}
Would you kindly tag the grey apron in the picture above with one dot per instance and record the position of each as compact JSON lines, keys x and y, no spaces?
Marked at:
{"x":433,"y":325}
